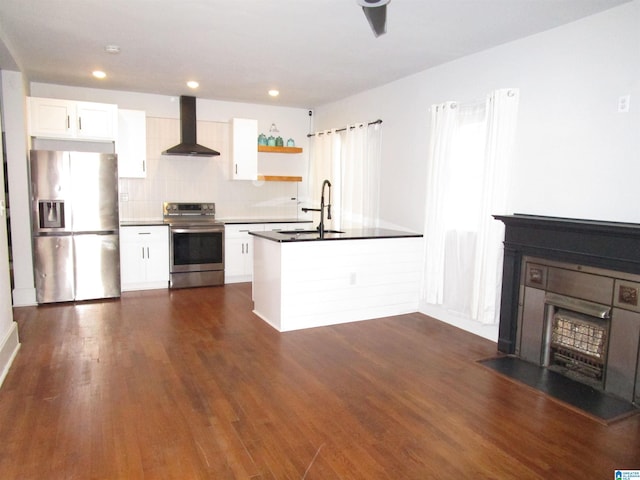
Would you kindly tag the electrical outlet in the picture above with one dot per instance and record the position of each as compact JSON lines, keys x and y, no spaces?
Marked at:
{"x":623,"y":103}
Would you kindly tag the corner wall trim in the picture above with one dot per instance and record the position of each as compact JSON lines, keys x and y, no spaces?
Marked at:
{"x":8,"y":350}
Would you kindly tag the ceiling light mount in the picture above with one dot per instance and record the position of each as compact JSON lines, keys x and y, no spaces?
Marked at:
{"x":372,"y":3}
{"x":376,"y":13}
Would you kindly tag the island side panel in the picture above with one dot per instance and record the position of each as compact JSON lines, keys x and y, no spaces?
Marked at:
{"x":267,"y":281}
{"x":331,"y":282}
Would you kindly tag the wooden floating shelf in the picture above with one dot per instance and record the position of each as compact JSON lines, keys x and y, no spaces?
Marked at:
{"x":265,"y":148}
{"x":279,"y":178}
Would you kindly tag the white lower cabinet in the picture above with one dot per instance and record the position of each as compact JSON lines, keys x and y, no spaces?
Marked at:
{"x":144,"y":257}
{"x":238,"y":248}
{"x":238,"y":252}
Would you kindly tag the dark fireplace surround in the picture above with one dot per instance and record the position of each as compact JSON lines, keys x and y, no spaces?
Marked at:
{"x":608,"y":245}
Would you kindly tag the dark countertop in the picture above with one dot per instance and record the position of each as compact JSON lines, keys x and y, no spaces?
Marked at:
{"x":142,"y":223}
{"x":232,"y":221}
{"x":348,"y":234}
{"x":226,"y":221}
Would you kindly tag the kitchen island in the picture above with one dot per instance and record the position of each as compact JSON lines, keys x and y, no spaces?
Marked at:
{"x":302,"y":280}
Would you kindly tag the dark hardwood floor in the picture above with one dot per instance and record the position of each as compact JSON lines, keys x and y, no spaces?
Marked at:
{"x":189,"y":384}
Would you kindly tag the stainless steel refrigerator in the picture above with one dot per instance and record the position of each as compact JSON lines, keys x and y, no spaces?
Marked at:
{"x":75,"y":224}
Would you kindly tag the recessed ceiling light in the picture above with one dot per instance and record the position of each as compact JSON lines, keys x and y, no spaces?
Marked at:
{"x":192,"y":84}
{"x":99,"y":74}
{"x":274,"y":92}
{"x":112,"y":49}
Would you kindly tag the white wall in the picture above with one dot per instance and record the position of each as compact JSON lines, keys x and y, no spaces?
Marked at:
{"x":576,"y":156}
{"x":9,"y":343}
{"x":14,"y":117}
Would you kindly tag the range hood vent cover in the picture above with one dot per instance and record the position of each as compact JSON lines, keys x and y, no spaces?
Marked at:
{"x":188,"y":145}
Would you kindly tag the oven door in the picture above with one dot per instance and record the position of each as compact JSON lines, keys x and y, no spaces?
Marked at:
{"x":196,"y":248}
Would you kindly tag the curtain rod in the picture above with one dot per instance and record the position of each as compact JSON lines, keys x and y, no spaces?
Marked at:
{"x":342,"y":129}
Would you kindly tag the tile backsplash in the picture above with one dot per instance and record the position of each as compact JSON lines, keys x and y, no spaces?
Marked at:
{"x":201,"y":179}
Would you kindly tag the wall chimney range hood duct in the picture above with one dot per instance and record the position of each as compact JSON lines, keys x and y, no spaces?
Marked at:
{"x":188,"y":145}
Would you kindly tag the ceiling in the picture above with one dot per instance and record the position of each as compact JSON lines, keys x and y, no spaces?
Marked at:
{"x":313,"y":51}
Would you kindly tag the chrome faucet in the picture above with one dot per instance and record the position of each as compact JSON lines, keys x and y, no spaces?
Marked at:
{"x":321,"y":209}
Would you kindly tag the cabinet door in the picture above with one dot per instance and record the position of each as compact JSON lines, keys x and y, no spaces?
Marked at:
{"x":157,"y":252}
{"x":132,"y":261}
{"x":131,"y":144}
{"x":51,"y":118}
{"x":234,"y":259}
{"x":96,"y":121}
{"x":144,"y":257}
{"x":238,"y":248}
{"x":244,"y":150}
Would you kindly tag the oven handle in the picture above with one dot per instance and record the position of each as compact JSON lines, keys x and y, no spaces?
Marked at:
{"x":197,"y":229}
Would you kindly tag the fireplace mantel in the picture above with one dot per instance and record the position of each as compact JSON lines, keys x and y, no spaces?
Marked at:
{"x":611,"y":245}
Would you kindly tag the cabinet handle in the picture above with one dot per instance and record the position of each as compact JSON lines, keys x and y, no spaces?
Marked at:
{"x":148,"y":256}
{"x":247,"y":248}
{"x":144,"y":166}
{"x":243,"y":248}
{"x":79,"y":123}
{"x":143,"y":252}
{"x":144,"y":233}
{"x":68,"y":122}
{"x":236,"y":168}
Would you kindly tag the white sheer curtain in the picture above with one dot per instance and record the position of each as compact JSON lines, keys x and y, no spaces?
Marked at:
{"x":466,"y":184}
{"x":360,"y":176}
{"x":350,"y":160}
{"x":324,"y":148}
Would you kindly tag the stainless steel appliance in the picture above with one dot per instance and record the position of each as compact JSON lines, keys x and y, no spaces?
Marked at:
{"x":196,"y":245}
{"x":74,"y":213}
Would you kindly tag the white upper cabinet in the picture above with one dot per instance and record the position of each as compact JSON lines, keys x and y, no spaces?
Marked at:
{"x":131,"y":143}
{"x":244,"y":153}
{"x":71,"y":120}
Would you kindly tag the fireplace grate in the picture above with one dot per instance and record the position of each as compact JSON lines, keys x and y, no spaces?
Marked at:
{"x":579,"y":343}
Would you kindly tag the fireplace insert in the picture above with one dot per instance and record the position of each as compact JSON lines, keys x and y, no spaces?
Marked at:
{"x":582,"y":322}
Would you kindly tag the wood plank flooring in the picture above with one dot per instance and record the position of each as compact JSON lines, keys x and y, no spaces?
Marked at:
{"x":189,"y":384}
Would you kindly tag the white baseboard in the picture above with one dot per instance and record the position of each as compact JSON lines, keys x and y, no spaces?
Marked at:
{"x":490,"y":332}
{"x":8,"y":350}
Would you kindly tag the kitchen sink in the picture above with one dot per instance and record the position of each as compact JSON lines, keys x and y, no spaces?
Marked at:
{"x":306,"y":232}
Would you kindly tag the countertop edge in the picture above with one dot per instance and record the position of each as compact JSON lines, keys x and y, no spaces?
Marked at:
{"x":357,"y":234}
{"x":228,"y":221}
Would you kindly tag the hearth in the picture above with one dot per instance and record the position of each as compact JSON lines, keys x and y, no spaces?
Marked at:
{"x":570,"y":300}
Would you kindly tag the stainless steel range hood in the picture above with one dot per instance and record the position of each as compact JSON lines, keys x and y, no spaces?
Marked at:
{"x":188,"y":145}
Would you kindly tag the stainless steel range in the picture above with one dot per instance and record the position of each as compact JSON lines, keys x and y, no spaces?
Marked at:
{"x":196,"y":244}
